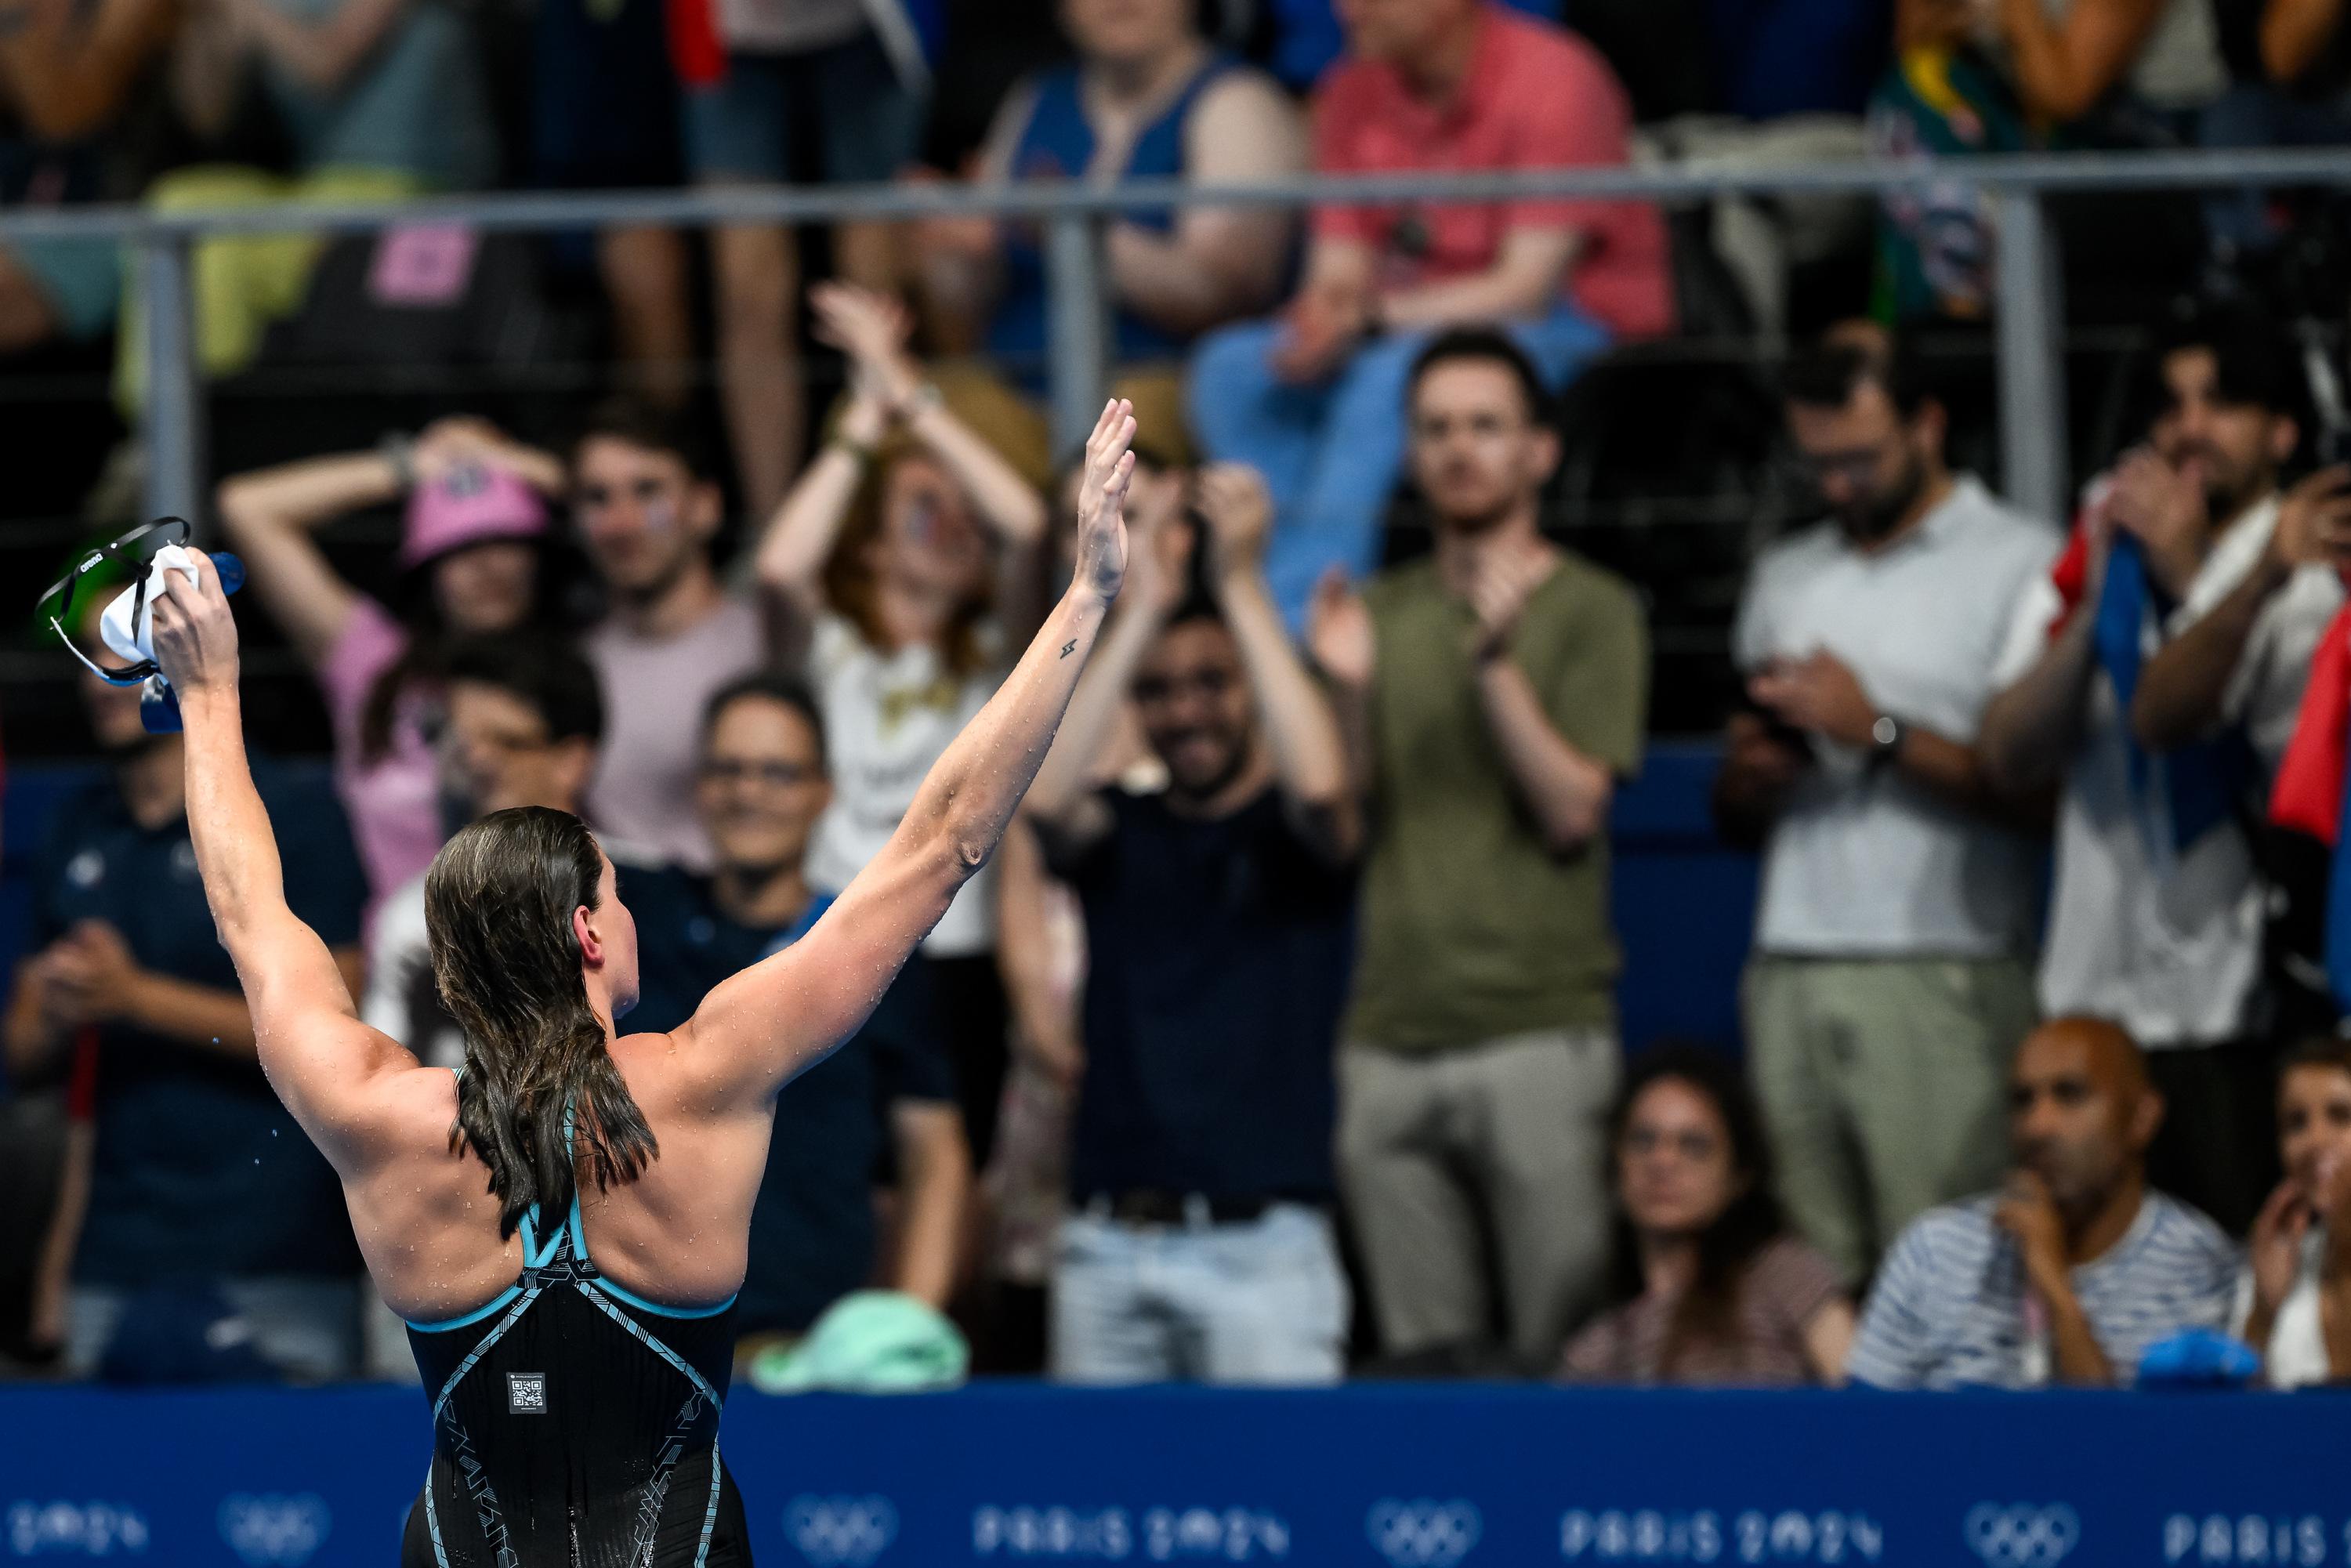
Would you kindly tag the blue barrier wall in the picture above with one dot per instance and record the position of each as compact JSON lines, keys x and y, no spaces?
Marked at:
{"x":1406,"y":1477}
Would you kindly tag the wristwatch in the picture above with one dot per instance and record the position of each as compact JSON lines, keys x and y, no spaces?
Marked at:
{"x":1886,"y":740}
{"x":398,"y":449}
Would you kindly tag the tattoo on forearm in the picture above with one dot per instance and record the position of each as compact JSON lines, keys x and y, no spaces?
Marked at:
{"x":1068,"y":647}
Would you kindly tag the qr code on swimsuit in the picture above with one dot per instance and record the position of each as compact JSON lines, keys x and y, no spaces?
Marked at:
{"x":526,"y":1394}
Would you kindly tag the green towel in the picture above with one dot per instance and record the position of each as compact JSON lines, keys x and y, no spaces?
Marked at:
{"x":870,"y":1341}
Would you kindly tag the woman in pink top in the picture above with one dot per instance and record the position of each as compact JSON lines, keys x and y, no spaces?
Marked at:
{"x":474,"y":557}
{"x":1707,"y":1286}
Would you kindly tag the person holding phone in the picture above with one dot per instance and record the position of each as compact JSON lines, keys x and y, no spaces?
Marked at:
{"x":1889,"y":983}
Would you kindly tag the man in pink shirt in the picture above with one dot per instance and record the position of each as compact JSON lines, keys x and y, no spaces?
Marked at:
{"x":1314,"y":397}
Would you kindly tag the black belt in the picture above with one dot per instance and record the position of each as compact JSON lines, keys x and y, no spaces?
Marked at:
{"x":1163,"y":1206}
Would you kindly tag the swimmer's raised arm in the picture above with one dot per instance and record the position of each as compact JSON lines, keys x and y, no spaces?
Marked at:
{"x":767,"y":1023}
{"x":319,"y":1058}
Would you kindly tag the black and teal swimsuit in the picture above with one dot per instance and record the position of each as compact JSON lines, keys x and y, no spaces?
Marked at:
{"x":575,"y":1426}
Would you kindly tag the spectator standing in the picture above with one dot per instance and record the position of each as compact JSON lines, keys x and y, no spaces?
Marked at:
{"x":2157,"y":673}
{"x":474,"y":560}
{"x":1707,"y":1284}
{"x":1888,"y":985}
{"x":1218,"y":919}
{"x":1493,"y":696}
{"x":885,"y":1098}
{"x":648,"y":511}
{"x":2293,"y":1303}
{"x":760,"y":75}
{"x":197,"y":1173}
{"x":1309,"y":399}
{"x":1147,"y":98}
{"x":605,"y":115}
{"x":905,"y":561}
{"x":2074,"y":1268}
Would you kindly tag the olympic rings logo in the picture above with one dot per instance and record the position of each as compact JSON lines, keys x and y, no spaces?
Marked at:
{"x":1423,"y":1533}
{"x":841,"y":1531}
{"x":2023,"y":1535}
{"x":271,"y":1529}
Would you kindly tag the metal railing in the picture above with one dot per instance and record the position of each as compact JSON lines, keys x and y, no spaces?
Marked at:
{"x":2028,"y":315}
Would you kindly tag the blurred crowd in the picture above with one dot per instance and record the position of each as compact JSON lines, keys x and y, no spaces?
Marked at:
{"x":1280,"y":1039}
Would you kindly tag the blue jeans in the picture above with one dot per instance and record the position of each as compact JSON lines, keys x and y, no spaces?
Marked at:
{"x":1263,"y":1301}
{"x":1330,"y":452}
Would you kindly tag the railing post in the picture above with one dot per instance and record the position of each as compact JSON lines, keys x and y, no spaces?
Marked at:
{"x":1077,"y":345}
{"x":175,"y":389}
{"x":2029,"y":300}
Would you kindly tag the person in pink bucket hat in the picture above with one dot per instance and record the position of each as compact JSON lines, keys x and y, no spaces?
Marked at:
{"x":475,"y":557}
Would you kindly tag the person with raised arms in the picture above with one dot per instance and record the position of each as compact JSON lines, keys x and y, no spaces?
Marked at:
{"x":575,"y":1381}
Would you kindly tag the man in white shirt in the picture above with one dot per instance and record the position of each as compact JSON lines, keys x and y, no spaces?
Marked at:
{"x":1888,"y":984}
{"x":2157,"y":676}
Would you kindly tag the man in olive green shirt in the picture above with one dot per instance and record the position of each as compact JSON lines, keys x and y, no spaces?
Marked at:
{"x":1494,"y":693}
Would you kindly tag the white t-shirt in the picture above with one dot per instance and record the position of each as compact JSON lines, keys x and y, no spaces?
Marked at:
{"x":887,"y":717}
{"x":1865,"y":863}
{"x":2166,"y":943}
{"x":401,"y":999}
{"x":2296,"y":1356}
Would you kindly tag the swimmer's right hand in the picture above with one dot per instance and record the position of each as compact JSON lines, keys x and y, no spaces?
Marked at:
{"x":195,"y":633}
{"x":1101,"y":500}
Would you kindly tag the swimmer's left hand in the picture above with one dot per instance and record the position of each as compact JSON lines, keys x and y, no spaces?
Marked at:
{"x":195,"y":633}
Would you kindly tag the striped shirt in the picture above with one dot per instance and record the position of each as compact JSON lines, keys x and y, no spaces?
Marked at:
{"x":1950,"y":1309}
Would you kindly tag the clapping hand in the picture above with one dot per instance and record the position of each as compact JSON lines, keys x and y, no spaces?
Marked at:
{"x":1160,"y":541}
{"x":86,"y":976}
{"x":1101,"y":500}
{"x":1500,"y":588}
{"x":2313,"y":525}
{"x":2164,"y":509}
{"x":1339,"y":633}
{"x":872,"y":330}
{"x":1239,"y":510}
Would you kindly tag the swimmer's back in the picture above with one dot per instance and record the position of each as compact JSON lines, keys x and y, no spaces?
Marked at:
{"x":677,"y":1234}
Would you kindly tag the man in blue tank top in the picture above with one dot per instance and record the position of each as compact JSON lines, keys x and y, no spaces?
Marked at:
{"x":1147,"y":98}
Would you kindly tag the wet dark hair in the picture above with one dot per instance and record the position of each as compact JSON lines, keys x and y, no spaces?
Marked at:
{"x":540,"y":1101}
{"x":1830,"y":370}
{"x":1480,"y":345}
{"x":549,"y":676}
{"x":1752,"y":1222}
{"x":763,"y":686}
{"x":636,"y":421}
